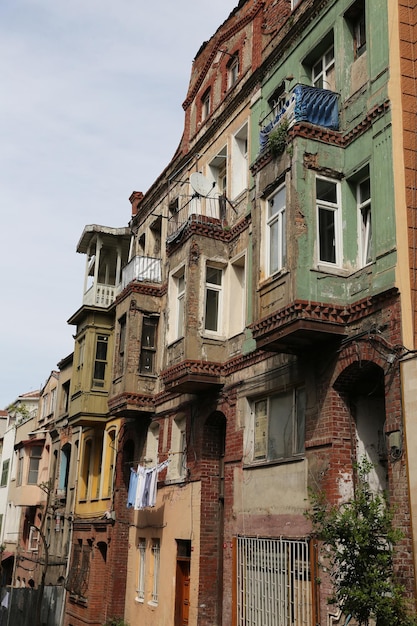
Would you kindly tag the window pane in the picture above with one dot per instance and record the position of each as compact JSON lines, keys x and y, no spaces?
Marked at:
{"x":213,"y":275}
{"x":101,"y":349}
{"x":212,"y":307}
{"x":277,"y":202}
{"x":300,"y":408}
{"x":274,"y":264}
{"x":327,"y":235}
{"x":280,"y":431}
{"x":326,"y":190}
{"x":99,"y":370}
{"x":364,"y":190}
{"x":261,"y":426}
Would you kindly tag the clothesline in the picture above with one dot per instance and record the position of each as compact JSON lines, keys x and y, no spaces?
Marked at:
{"x":143,"y":485}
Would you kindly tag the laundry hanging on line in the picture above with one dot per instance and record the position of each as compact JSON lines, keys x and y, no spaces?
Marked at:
{"x":142,"y":486}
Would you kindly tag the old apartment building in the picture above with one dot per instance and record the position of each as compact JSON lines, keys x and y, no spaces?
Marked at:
{"x":251,"y":332}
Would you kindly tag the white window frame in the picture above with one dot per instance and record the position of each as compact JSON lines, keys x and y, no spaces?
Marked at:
{"x":33,"y":541}
{"x":364,"y":205}
{"x":177,"y":297}
{"x":140,"y":591}
{"x":239,"y":161}
{"x":321,"y":79}
{"x":156,"y":554}
{"x":214,"y":288}
{"x":274,"y":409}
{"x":335,"y":208}
{"x":276,"y":242}
{"x":235,"y":295}
{"x":152,"y":444}
{"x":177,"y":469}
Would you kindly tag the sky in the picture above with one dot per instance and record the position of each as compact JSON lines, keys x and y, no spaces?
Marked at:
{"x":90,"y":110}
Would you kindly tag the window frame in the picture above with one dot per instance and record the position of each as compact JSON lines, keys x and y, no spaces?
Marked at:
{"x":5,"y":473}
{"x":277,"y":219}
{"x":326,"y":66}
{"x":148,"y":352}
{"x":100,"y":362}
{"x":233,"y":69}
{"x":156,"y":566}
{"x":264,"y":435}
{"x":141,"y":579}
{"x":217,"y":289}
{"x":364,"y":208}
{"x":34,"y":463}
{"x":206,"y":104}
{"x":335,"y":208}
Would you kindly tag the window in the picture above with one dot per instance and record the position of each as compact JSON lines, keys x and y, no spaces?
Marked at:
{"x":4,"y":473}
{"x":86,"y":468}
{"x":232,"y":71}
{"x":53,"y":400}
{"x":205,"y":105}
{"x":110,"y":462}
{"x":35,"y":454}
{"x":156,"y":554}
{"x":363,"y":195}
{"x":276,"y":226}
{"x":148,"y":345}
{"x":323,"y":70}
{"x":33,"y":543}
{"x":279,"y":426}
{"x":180,"y":303}
{"x":45,"y":405}
{"x":237,"y":296}
{"x":77,"y":581}
{"x":217,"y":173}
{"x":141,"y":570}
{"x":81,"y":350}
{"x":212,"y":319}
{"x":356,"y":19}
{"x":64,"y":468}
{"x":239,"y":162}
{"x":176,"y":298}
{"x":20,"y":461}
{"x":178,"y":467}
{"x":65,"y":396}
{"x":100,"y":362}
{"x":152,"y":444}
{"x":273,"y":581}
{"x":328,"y":200}
{"x":276,"y":102}
{"x":122,"y":342}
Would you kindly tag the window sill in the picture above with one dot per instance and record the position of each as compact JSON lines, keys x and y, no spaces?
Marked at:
{"x":286,"y":461}
{"x":332,"y":270}
{"x":140,"y":600}
{"x":173,"y":343}
{"x":175,"y":481}
{"x":153,"y":604}
{"x":272,"y":278}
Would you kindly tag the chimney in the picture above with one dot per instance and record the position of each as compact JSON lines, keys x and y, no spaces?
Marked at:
{"x":135,"y":199}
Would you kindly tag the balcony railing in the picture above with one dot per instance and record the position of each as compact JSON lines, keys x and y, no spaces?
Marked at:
{"x":141,"y":268}
{"x":217,"y":210}
{"x":304,"y":104}
{"x":100,"y":295}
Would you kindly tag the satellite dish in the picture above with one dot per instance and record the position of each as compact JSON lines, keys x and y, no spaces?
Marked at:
{"x":201,"y":185}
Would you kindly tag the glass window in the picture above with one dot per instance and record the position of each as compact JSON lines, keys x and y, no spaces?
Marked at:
{"x":4,"y":473}
{"x":180,"y":304}
{"x":213,"y":298}
{"x":148,"y":345}
{"x":233,"y":71}
{"x":279,"y":426}
{"x":35,"y":455}
{"x":327,"y":196}
{"x":323,"y":70}
{"x":100,"y":362}
{"x":276,"y":237}
{"x":205,"y":105}
{"x":365,"y":221}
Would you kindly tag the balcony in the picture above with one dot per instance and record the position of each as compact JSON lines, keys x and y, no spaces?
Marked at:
{"x":100,"y":295}
{"x":142,"y":269}
{"x":207,"y":213}
{"x":304,"y":104}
